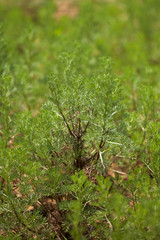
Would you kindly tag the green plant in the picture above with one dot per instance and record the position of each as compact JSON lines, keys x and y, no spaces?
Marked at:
{"x":83,"y":164}
{"x":85,"y":108}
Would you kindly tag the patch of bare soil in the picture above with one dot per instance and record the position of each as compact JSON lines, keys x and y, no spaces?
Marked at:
{"x":66,"y":8}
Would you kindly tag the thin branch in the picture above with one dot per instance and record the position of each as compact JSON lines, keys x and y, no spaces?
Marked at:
{"x":79,"y":127}
{"x":85,"y":204}
{"x":102,"y":143}
{"x":100,"y":155}
{"x":85,"y":129}
{"x":70,"y":131}
{"x":57,"y":154}
{"x":115,"y":143}
{"x":72,"y":121}
{"x":123,"y":173}
{"x":109,"y":222}
{"x":148,"y":167}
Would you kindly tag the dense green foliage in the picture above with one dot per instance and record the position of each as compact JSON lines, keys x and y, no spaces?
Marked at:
{"x":79,"y":119}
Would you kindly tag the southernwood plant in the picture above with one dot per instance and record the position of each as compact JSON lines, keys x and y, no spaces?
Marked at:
{"x":79,"y":148}
{"x":89,"y":113}
{"x":56,"y":180}
{"x":58,"y":153}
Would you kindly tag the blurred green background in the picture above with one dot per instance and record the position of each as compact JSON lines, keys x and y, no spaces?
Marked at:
{"x":34,"y":33}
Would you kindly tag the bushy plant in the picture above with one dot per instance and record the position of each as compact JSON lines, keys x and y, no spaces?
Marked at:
{"x":79,"y":135}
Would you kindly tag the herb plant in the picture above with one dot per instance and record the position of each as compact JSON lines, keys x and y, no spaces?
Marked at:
{"x":79,"y":120}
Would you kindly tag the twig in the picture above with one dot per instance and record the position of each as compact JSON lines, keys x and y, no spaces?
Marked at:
{"x":57,"y":154}
{"x":85,"y":129}
{"x":79,"y":128}
{"x":123,"y":173}
{"x":110,"y":224}
{"x":72,"y":121}
{"x":102,"y":143}
{"x":148,"y":167}
{"x":70,"y":131}
{"x":100,"y":155}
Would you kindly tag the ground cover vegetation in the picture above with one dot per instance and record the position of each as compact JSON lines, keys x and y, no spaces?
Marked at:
{"x":79,"y":119}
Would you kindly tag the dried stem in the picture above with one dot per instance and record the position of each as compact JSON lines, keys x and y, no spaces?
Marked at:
{"x":85,"y":129}
{"x":70,"y":131}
